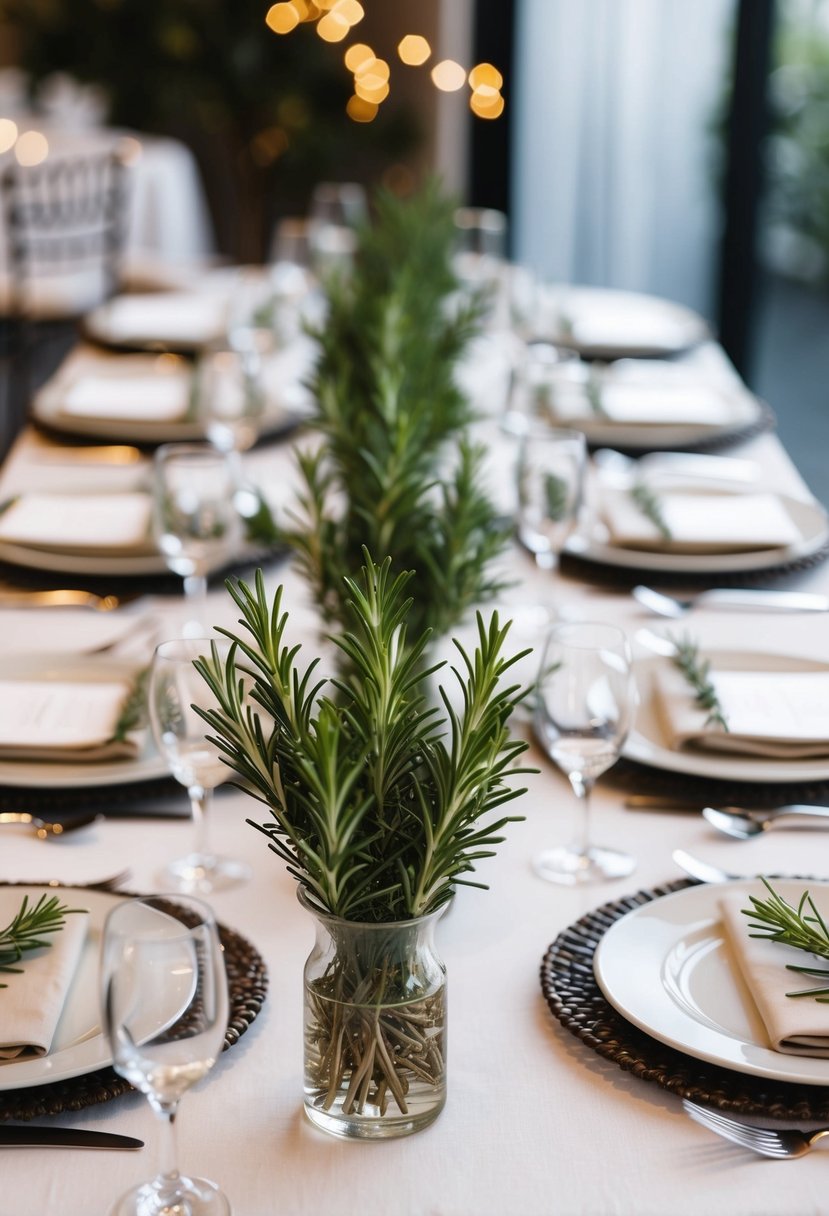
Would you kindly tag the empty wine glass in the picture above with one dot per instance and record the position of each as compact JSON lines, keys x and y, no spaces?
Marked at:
{"x":583,"y":711}
{"x":550,"y":472}
{"x":164,"y":1001}
{"x":336,"y":211}
{"x":180,"y":735}
{"x":194,"y":517}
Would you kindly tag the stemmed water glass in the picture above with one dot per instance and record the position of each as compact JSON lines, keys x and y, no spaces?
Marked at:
{"x":584,"y":706}
{"x":180,"y":734}
{"x":195,"y":519}
{"x":550,"y":472}
{"x":336,"y":211}
{"x":164,"y":1001}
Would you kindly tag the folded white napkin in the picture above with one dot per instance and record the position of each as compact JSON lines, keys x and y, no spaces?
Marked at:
{"x":699,"y":522}
{"x":64,"y":720}
{"x":627,"y":323}
{"x":795,"y":1026}
{"x":142,"y":398}
{"x":175,"y":317}
{"x":31,"y":1005}
{"x":779,"y":714}
{"x":79,"y":521}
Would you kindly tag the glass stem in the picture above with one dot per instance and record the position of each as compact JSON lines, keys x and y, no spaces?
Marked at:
{"x":167,"y":1188}
{"x":200,"y":802}
{"x":195,"y":589}
{"x":583,"y":790}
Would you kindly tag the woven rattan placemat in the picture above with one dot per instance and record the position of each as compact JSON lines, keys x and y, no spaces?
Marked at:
{"x":574,"y":997}
{"x":247,"y":978}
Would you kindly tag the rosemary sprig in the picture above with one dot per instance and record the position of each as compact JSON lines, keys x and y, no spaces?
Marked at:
{"x":648,"y":503}
{"x":133,"y":713}
{"x":27,"y":929}
{"x":556,"y":494}
{"x":802,"y":927}
{"x":593,"y":390}
{"x":696,"y":672}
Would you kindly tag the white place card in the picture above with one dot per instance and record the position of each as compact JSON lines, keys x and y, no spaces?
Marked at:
{"x":170,"y":316}
{"x":705,"y":523}
{"x":92,"y":521}
{"x":161,"y":398}
{"x":56,"y":714}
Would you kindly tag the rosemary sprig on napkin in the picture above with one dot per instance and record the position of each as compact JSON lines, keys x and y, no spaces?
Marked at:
{"x":802,"y":927}
{"x":696,"y":672}
{"x":648,"y":503}
{"x":133,"y":713}
{"x":593,"y":390}
{"x":27,"y":929}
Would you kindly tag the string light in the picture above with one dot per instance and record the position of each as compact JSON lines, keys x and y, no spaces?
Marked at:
{"x":31,"y":148}
{"x":372,"y":76}
{"x":8,"y":134}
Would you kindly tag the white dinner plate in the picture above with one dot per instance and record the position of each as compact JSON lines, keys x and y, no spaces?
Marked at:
{"x":40,"y":774}
{"x":79,"y":1045}
{"x":590,"y":541}
{"x":665,"y":966}
{"x":601,"y":323}
{"x":647,"y":743}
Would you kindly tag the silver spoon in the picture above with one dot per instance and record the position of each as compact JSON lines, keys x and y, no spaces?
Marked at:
{"x":742,"y":824}
{"x":42,"y":828}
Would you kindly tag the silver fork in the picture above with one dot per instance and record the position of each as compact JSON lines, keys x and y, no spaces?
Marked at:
{"x":767,"y":1141}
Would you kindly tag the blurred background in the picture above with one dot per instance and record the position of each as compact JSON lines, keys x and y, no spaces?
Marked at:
{"x":650,"y":145}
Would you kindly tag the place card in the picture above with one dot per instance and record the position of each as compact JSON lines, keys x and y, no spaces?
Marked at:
{"x":78,"y":521}
{"x":175,"y":317}
{"x":699,"y":522}
{"x":159,"y":398}
{"x":778,"y":714}
{"x":56,"y":714}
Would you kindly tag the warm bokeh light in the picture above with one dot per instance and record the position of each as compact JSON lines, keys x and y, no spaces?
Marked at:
{"x":361,"y":110}
{"x":379,"y":68}
{"x":486,"y":103}
{"x":448,"y":76}
{"x":130,"y":150}
{"x":350,"y":10}
{"x":305,"y":11}
{"x":359,"y":57}
{"x":282,"y":18}
{"x":413,"y":50}
{"x":332,"y":27}
{"x":268,"y":145}
{"x":8,"y":134}
{"x":484,"y":74}
{"x":31,"y":148}
{"x":375,"y":93}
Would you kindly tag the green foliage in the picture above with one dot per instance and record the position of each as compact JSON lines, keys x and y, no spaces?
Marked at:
{"x":802,"y":927}
{"x":649,"y":504}
{"x":697,"y":672}
{"x":27,"y":929}
{"x":380,"y":805}
{"x":394,"y":471}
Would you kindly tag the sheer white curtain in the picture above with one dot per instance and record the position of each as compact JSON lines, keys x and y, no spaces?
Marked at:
{"x":614,"y":169}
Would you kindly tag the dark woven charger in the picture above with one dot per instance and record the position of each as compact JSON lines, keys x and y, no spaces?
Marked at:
{"x":62,"y":805}
{"x":574,"y":997}
{"x":247,"y":978}
{"x":634,"y":778}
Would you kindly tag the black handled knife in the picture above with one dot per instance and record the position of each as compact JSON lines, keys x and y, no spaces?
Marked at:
{"x":23,"y":1136}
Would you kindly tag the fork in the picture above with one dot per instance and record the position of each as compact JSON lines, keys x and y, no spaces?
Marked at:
{"x":111,"y":883}
{"x":767,"y":1141}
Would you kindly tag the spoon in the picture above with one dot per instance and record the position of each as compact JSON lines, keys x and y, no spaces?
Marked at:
{"x":742,"y":825}
{"x":42,"y":828}
{"x":727,"y":597}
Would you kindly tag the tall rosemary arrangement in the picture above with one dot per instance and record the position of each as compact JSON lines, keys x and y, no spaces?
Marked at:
{"x":394,"y":470}
{"x":380,"y":804}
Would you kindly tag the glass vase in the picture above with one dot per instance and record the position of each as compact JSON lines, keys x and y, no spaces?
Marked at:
{"x":375,"y":1026}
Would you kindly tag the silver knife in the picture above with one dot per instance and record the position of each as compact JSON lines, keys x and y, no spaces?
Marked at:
{"x":769,"y":601}
{"x":23,"y":1136}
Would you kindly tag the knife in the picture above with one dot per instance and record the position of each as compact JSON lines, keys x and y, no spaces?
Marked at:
{"x":656,"y":802}
{"x":773,"y":601}
{"x":22,"y":1136}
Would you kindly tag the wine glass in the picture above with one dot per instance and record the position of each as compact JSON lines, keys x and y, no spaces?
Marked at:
{"x":180,"y":734}
{"x":194,"y":517}
{"x":583,"y":711}
{"x":550,"y":472}
{"x":164,"y":1002}
{"x":336,"y":211}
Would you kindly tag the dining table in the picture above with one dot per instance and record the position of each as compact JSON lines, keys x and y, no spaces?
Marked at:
{"x":539,"y":1120}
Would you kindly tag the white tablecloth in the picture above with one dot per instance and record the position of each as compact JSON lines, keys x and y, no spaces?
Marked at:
{"x":536,"y":1124}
